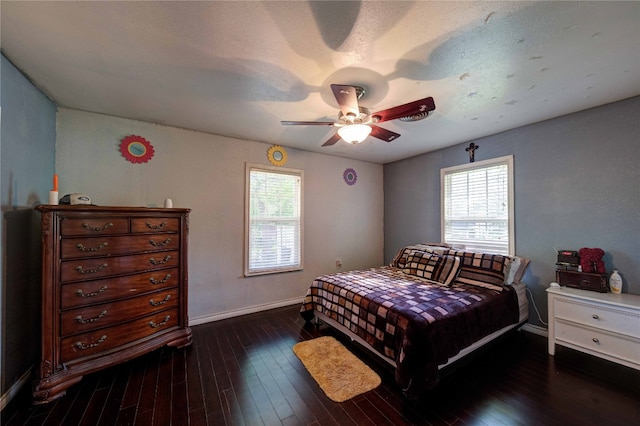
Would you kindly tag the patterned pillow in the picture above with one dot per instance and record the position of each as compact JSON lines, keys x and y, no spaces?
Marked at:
{"x":516,"y":269}
{"x":482,"y":269}
{"x":433,"y":266}
{"x":401,"y":257}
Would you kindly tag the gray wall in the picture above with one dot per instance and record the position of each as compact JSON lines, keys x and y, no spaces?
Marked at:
{"x":206,"y":173}
{"x":27,"y":150}
{"x":577,"y":184}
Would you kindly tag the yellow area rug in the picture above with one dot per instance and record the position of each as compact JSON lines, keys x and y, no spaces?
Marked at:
{"x":338,"y":372}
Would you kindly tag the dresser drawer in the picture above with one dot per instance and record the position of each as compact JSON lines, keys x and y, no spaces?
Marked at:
{"x":154,"y":224}
{"x":601,"y":316}
{"x":94,"y":226}
{"x":106,"y":246}
{"x":107,"y":314}
{"x":88,"y":269}
{"x":98,"y":341}
{"x":91,"y":292}
{"x":622,"y":347}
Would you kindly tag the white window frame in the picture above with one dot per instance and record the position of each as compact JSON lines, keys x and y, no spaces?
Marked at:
{"x":249,"y":269}
{"x":506,"y":160}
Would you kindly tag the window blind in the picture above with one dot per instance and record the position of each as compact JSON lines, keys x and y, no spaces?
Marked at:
{"x":274,"y":220}
{"x":477,"y":206}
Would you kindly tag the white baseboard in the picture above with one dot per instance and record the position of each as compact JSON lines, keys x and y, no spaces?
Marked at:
{"x":250,"y":310}
{"x":14,"y":389}
{"x":535,"y":329}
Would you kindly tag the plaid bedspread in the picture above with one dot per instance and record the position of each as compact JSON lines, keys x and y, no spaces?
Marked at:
{"x":414,"y":321}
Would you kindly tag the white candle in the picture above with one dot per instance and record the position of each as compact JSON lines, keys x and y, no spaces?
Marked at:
{"x":53,"y":198}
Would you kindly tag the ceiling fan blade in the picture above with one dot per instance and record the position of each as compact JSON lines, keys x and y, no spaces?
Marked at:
{"x":384,"y":134}
{"x":422,"y":106}
{"x":332,"y":140}
{"x":347,"y":99}
{"x":307,"y":123}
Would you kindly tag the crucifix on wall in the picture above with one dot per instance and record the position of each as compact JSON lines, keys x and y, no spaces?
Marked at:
{"x":471,"y":150}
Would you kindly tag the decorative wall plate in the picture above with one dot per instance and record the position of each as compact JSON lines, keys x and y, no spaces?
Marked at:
{"x":350,"y":176}
{"x":136,"y":149}
{"x":277,"y":155}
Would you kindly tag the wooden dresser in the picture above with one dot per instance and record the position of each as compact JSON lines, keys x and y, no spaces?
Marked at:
{"x":114,"y":286}
{"x":606,"y":325}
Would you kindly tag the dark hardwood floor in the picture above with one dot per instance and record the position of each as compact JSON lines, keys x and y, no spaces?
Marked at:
{"x":242,"y":371}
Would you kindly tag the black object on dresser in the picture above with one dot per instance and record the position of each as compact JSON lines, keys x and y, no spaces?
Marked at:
{"x":583,"y":280}
{"x":114,"y":286}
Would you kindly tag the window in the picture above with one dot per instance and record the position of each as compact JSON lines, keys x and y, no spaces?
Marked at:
{"x":273,"y":227}
{"x":477,"y":205}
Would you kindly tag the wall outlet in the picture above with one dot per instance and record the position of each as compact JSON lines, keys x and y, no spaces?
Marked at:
{"x":338,"y":263}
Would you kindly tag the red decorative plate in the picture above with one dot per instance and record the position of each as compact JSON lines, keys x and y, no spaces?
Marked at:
{"x":136,"y":149}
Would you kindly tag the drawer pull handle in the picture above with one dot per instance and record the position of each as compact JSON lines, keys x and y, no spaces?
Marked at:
{"x":595,"y":316}
{"x":159,"y":226}
{"x":85,"y":321}
{"x":83,"y":347}
{"x":161,"y":243}
{"x":159,"y":324}
{"x":595,"y":340}
{"x":160,"y":262}
{"x":162,"y":281}
{"x":86,"y":249}
{"x":80,"y":293}
{"x":162,"y":302}
{"x":91,"y":271}
{"x":97,"y":228}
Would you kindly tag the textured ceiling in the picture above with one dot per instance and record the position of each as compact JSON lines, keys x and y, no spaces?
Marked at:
{"x":238,"y":68}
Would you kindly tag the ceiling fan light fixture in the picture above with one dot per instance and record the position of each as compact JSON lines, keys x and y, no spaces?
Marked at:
{"x":355,"y":122}
{"x":354,"y":133}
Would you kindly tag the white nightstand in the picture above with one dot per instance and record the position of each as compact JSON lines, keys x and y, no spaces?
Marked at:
{"x":602,"y":324}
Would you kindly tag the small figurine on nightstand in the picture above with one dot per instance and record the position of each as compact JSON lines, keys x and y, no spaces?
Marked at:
{"x":615,"y":282}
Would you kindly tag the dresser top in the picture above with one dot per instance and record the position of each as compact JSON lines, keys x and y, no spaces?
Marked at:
{"x":623,"y":299}
{"x":106,"y":209}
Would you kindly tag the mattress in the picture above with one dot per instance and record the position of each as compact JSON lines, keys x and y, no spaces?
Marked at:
{"x":415,"y":324}
{"x":523,"y":309}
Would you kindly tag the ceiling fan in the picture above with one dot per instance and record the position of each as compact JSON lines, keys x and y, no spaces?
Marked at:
{"x":355,"y":122}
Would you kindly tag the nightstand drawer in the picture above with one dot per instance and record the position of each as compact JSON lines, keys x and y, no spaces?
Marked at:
{"x":621,"y":347}
{"x":600,"y":316}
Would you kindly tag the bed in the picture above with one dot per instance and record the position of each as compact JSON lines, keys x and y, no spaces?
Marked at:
{"x":429,"y":307}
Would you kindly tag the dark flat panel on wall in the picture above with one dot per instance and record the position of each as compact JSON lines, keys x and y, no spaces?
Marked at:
{"x":21,"y":294}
